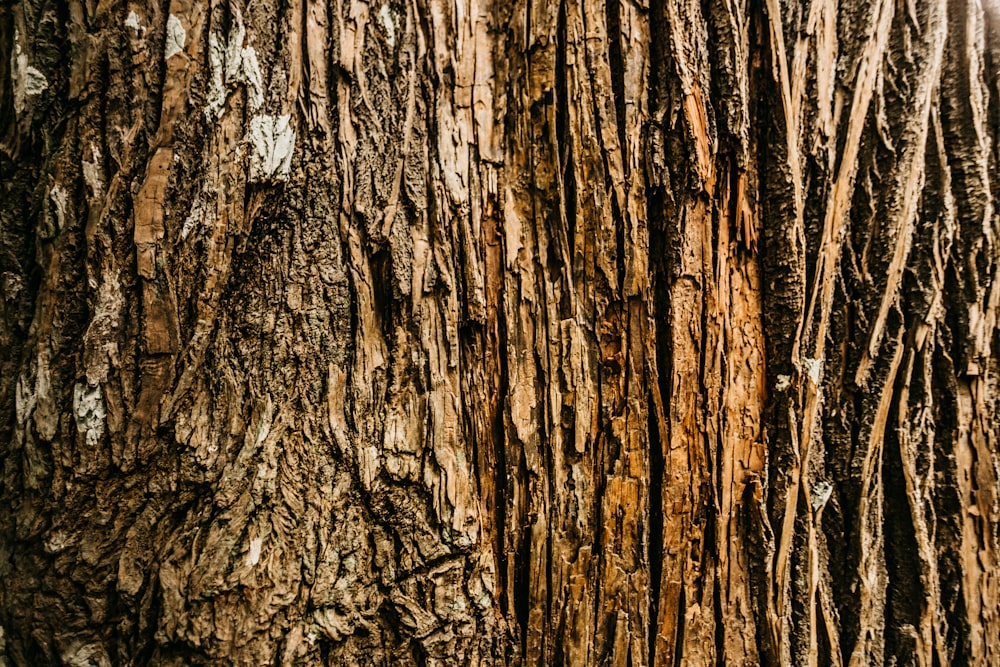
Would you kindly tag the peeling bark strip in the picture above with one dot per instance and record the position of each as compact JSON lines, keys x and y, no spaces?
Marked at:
{"x":535,"y":333}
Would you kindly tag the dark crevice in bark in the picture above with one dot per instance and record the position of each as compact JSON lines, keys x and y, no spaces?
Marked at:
{"x":9,"y":137}
{"x":661,"y":255}
{"x":948,"y":500}
{"x":904,"y":596}
{"x":679,"y":638}
{"x":655,"y":554}
{"x":303,"y":103}
{"x":760,"y":553}
{"x":798,"y":610}
{"x":616,"y":66}
{"x":656,"y":208}
{"x":521,"y":586}
{"x":564,"y":139}
{"x":782,"y":276}
{"x":824,"y":651}
{"x":616,"y":215}
{"x":383,"y":291}
{"x":720,"y":623}
{"x":501,"y":480}
{"x":257,"y":343}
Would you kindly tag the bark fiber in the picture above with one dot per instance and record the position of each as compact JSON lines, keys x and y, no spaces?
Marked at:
{"x":474,"y":332}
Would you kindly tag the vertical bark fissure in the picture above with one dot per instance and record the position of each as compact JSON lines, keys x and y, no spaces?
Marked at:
{"x":616,"y":65}
{"x":433,"y":332}
{"x":655,"y":544}
{"x":564,"y":137}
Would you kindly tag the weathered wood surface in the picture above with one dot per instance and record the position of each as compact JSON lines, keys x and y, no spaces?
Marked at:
{"x":473,"y":332}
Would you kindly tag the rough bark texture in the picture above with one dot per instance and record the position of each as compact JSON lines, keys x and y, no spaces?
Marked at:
{"x":481,"y":332}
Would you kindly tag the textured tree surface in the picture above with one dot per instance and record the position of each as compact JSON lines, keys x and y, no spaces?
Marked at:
{"x":468,"y":332}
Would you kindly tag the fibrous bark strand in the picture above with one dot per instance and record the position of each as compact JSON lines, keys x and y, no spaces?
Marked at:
{"x":433,"y":332}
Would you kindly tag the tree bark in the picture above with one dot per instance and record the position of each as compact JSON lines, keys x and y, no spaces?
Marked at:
{"x":446,"y":332}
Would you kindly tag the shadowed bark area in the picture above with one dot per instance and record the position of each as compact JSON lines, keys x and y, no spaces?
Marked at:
{"x":443,"y":332}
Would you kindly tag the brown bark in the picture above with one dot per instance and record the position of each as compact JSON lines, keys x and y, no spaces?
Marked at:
{"x":474,"y":332}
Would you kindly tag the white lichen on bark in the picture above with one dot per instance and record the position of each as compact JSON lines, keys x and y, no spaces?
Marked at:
{"x":249,"y":74}
{"x":25,"y":398}
{"x":132,"y":21}
{"x":86,"y":655}
{"x":89,"y":412}
{"x":28,"y":81}
{"x":92,"y":172}
{"x":59,"y":199}
{"x":201,"y":214}
{"x":254,"y":556}
{"x":271,"y":140}
{"x":813,"y":369}
{"x":176,"y":36}
{"x":390,"y":29}
{"x":232,"y":64}
{"x":57,"y":542}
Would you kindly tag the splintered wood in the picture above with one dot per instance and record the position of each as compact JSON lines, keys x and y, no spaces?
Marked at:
{"x":447,"y":332}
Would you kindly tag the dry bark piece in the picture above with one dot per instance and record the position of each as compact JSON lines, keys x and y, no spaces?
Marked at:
{"x":475,"y":332}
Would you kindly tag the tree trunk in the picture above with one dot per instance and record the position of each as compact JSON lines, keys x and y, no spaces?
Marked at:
{"x":513,"y":333}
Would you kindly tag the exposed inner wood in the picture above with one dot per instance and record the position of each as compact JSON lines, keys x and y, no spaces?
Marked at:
{"x":443,"y":332}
